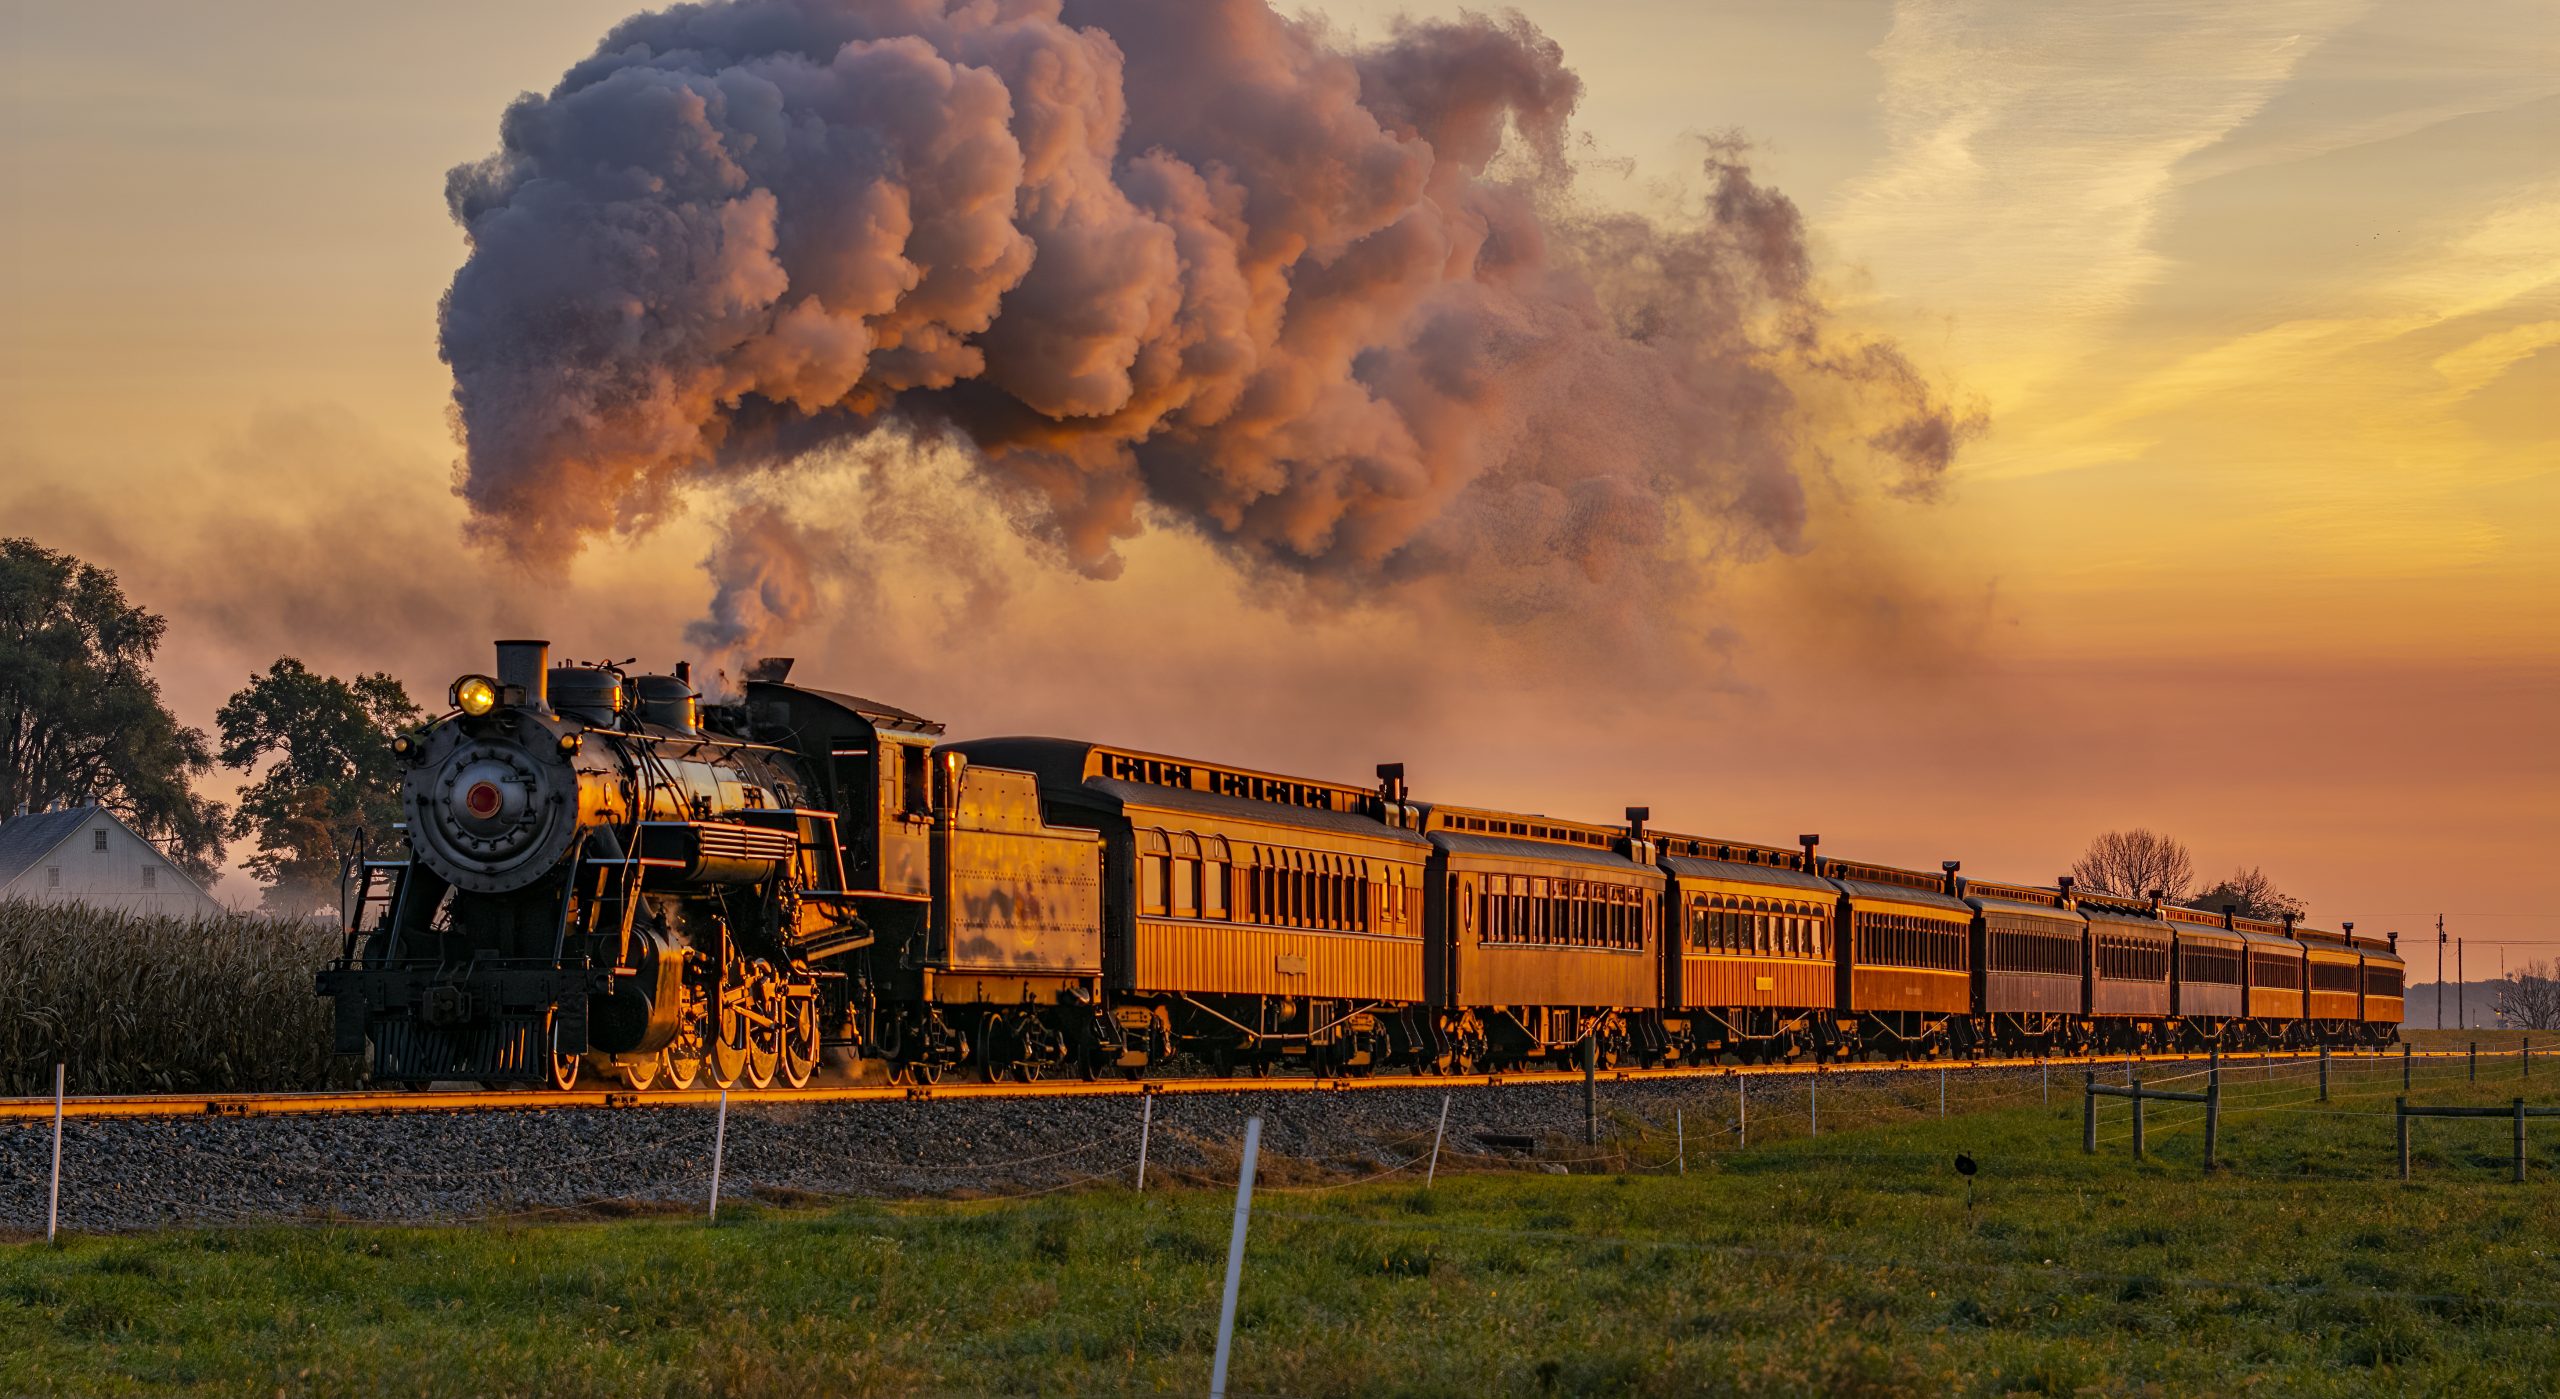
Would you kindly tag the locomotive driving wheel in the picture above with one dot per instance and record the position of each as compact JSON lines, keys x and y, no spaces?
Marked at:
{"x":799,"y":1040}
{"x":729,"y":1045}
{"x":560,"y":1068}
{"x":680,"y":1063}
{"x":764,"y":1025}
{"x":639,"y":1075}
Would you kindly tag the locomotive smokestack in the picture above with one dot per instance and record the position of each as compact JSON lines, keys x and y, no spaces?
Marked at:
{"x":1955,"y":881}
{"x":524,"y":674}
{"x":1810,"y":844}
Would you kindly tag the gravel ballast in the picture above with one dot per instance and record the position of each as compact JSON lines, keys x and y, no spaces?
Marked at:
{"x":122,"y":1174}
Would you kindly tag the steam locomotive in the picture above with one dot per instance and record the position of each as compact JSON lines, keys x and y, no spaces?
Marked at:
{"x":604,"y":876}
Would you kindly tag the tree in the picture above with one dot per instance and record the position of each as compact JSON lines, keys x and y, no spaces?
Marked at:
{"x":2253,"y":895}
{"x":2529,"y":997}
{"x":80,"y":714}
{"x":328,"y":772}
{"x":2133,"y":863}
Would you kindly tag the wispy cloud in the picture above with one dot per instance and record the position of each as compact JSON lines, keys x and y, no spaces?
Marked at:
{"x":2031,"y":149}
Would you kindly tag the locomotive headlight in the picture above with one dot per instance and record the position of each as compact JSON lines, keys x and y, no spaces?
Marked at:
{"x":475,"y":695}
{"x":570,"y":743}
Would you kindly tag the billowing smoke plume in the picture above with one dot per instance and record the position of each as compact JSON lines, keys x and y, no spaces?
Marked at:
{"x":1179,"y":260}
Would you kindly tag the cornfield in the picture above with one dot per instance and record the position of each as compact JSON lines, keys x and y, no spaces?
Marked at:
{"x":138,"y":1004}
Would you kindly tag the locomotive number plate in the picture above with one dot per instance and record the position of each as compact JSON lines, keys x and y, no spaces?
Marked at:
{"x":1764,"y":983}
{"x":1290,"y":964}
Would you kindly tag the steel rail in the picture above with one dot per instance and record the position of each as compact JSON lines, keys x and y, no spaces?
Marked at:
{"x":393,"y":1101}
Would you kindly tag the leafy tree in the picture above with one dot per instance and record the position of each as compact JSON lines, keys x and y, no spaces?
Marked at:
{"x":80,"y":714}
{"x":2253,"y":894}
{"x":328,"y":772}
{"x":2133,"y":863}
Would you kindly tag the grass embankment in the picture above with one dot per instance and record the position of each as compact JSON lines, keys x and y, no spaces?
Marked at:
{"x":2490,"y":1041}
{"x":1844,"y":1264}
{"x":137,"y":1004}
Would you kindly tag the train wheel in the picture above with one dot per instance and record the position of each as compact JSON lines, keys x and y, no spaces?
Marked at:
{"x":800,"y":1046}
{"x":560,"y":1068}
{"x":638,"y":1075}
{"x":680,"y":1063}
{"x":729,"y":1050}
{"x":764,"y":1031}
{"x":995,"y":1062}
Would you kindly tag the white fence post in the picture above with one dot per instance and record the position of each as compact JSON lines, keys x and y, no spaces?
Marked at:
{"x":1235,"y":1259}
{"x":1433,"y":1172}
{"x":1146,"y":1126}
{"x":53,"y":1192}
{"x":1942,"y":1090}
{"x":719,"y":1146}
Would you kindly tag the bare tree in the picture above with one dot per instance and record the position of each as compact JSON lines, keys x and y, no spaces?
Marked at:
{"x":2253,"y":894}
{"x":2529,"y":997}
{"x":2134,"y":863}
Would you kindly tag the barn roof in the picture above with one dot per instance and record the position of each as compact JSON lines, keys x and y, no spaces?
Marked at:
{"x":26,"y":840}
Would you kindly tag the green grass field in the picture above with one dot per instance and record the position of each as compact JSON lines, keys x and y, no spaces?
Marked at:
{"x":1844,"y":1264}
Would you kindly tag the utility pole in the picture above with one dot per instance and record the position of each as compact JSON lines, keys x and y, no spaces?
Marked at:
{"x":2461,"y":991}
{"x":2439,"y":971}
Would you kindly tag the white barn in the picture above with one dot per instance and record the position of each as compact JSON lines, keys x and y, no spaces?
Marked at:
{"x":86,"y":855}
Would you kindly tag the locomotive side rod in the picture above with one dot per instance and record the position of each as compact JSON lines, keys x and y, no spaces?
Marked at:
{"x":392,"y":1101}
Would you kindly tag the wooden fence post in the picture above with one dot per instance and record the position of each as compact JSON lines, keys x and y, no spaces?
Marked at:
{"x":2212,"y":1112}
{"x":2400,"y":1114}
{"x":2475,"y":1061}
{"x":2404,"y":1066}
{"x":1591,"y":1089}
{"x":2519,"y":1141}
{"x":2089,"y":1112}
{"x":2137,"y":1118}
{"x":2324,"y":1073}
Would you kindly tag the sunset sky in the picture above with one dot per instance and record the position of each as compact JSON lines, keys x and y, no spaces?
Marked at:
{"x":2261,"y":546}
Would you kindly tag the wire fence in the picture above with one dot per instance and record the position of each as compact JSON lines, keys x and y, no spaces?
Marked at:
{"x":1656,"y":1127}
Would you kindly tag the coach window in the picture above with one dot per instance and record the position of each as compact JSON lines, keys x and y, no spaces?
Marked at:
{"x":1154,"y":855}
{"x":1186,"y":875}
{"x":1215,"y":859}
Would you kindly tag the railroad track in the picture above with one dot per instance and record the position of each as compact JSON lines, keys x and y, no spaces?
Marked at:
{"x":393,"y":1101}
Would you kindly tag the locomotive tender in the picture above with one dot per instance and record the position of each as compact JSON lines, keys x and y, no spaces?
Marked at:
{"x":603,"y":875}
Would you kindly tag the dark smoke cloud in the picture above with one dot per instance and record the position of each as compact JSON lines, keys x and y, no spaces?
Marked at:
{"x":1334,"y":308}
